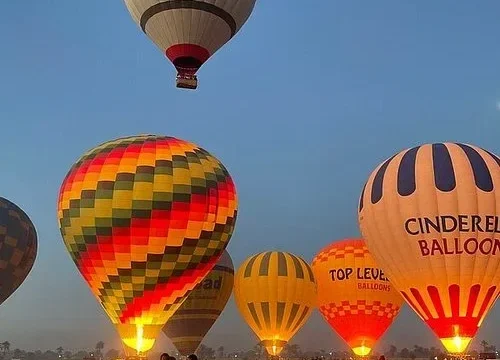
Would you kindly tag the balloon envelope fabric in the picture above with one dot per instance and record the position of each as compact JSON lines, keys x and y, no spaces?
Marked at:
{"x":354,"y":295}
{"x":275,"y":292}
{"x":202,"y":307}
{"x":430,"y":218}
{"x":18,"y":247}
{"x":145,"y":218}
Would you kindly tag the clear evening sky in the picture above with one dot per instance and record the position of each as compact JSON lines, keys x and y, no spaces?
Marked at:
{"x":301,"y":106}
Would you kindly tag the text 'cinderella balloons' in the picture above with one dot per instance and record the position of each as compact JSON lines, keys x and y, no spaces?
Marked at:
{"x":202,"y":307}
{"x":18,"y":247}
{"x":145,"y":218}
{"x":354,"y":295}
{"x":275,"y":293}
{"x":430,"y":218}
{"x":190,"y":31}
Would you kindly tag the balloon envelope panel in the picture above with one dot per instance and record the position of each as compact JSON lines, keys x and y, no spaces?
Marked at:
{"x":354,"y":295}
{"x":429,"y":216}
{"x":18,"y":247}
{"x":275,"y":293}
{"x":190,"y":31}
{"x":145,"y":218}
{"x":202,"y":307}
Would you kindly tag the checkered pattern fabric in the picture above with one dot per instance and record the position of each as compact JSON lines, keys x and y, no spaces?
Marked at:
{"x":145,"y":218}
{"x":360,"y":307}
{"x":18,"y":247}
{"x":339,"y":250}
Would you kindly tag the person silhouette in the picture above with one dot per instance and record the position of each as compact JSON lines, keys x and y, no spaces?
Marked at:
{"x":192,"y":357}
{"x":164,"y":356}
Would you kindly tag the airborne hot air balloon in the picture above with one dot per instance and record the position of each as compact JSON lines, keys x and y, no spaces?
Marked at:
{"x":18,"y":247}
{"x":190,"y":31}
{"x":145,"y":218}
{"x":430,"y":218}
{"x":354,"y":295}
{"x":202,"y":307}
{"x":275,"y":293}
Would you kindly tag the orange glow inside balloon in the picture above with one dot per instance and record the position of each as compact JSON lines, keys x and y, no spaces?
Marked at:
{"x":276,"y":347}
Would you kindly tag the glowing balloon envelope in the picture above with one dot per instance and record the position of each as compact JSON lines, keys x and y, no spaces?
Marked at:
{"x":202,"y":307}
{"x":18,"y":247}
{"x":190,"y":31}
{"x":430,"y":218}
{"x":275,"y":293}
{"x":145,"y":218}
{"x":354,"y":295}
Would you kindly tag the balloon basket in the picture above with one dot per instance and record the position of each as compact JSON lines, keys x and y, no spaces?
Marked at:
{"x":184,"y":81}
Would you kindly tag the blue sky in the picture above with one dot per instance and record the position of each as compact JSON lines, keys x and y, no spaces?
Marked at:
{"x":300,"y":107}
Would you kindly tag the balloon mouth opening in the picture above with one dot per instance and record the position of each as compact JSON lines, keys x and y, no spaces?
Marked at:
{"x":187,"y":58}
{"x":274,"y":346}
{"x":188,"y":63}
{"x":138,"y":338}
{"x":456,"y":344}
{"x":361,"y":350}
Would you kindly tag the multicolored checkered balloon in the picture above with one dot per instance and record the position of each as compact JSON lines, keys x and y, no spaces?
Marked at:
{"x":18,"y":247}
{"x":145,"y":218}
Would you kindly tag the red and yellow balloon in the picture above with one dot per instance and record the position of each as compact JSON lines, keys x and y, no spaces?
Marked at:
{"x":430,"y":218}
{"x":145,"y":218}
{"x":354,"y":295}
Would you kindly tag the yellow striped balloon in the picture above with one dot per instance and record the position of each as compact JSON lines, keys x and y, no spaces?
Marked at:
{"x":275,"y":293}
{"x":202,"y":307}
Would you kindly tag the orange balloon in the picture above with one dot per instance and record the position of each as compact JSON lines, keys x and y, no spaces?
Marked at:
{"x":430,"y":218}
{"x":354,"y":295}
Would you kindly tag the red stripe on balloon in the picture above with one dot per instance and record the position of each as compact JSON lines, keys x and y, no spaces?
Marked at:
{"x":473,"y":295}
{"x":454,"y":292}
{"x":436,"y":300}
{"x":421,"y":302}
{"x":445,"y":327}
{"x":188,"y":280}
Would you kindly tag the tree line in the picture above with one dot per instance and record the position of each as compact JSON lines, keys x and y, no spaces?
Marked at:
{"x":258,"y":352}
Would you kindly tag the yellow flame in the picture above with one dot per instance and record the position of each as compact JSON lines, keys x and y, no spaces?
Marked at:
{"x":361,"y":350}
{"x":456,"y":344}
{"x":138,"y":339}
{"x":275,"y":347}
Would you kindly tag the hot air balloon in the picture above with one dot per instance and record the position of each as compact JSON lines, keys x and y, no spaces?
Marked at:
{"x":354,"y":295}
{"x":145,"y":218}
{"x":430,"y":218}
{"x":202,"y":307}
{"x":18,"y":247}
{"x":190,"y":31}
{"x":275,"y":292}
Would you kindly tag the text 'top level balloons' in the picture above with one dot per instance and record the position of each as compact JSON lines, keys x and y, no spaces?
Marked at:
{"x":145,"y":218}
{"x":190,"y":31}
{"x":275,"y":292}
{"x":18,"y":247}
{"x":354,"y":295}
{"x":430,"y":218}
{"x":202,"y":307}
